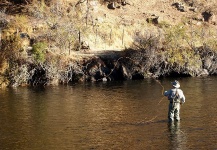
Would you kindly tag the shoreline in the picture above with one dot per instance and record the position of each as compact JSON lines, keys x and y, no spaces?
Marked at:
{"x":108,"y":66}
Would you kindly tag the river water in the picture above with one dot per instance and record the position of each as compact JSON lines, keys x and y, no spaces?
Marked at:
{"x":114,"y":115}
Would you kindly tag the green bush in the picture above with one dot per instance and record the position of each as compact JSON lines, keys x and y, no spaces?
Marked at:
{"x":38,"y":51}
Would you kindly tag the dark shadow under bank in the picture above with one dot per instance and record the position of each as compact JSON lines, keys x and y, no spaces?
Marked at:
{"x":139,"y":64}
{"x":114,"y":66}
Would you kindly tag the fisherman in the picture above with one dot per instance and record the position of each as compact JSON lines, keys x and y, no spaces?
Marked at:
{"x":176,"y":98}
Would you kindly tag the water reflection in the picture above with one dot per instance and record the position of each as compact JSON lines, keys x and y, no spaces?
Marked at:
{"x":176,"y":136}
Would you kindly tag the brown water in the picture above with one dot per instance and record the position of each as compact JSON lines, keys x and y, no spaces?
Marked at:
{"x":116,"y":115}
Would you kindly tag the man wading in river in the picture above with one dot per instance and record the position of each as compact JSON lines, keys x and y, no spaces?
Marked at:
{"x":176,"y":98}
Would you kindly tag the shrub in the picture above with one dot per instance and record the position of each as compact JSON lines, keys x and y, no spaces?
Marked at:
{"x":176,"y":36}
{"x":184,"y":58}
{"x":10,"y":48}
{"x":38,"y":51}
{"x":163,"y":24}
{"x":20,"y":23}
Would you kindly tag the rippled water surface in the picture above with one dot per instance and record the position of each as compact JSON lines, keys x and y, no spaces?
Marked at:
{"x":115,"y":115}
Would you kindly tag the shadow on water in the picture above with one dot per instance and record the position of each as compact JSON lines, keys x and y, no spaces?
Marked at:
{"x":38,"y":89}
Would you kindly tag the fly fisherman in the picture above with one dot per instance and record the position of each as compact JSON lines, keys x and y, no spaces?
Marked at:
{"x":176,"y":98}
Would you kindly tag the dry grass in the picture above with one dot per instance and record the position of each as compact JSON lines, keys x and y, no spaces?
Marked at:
{"x":109,"y":29}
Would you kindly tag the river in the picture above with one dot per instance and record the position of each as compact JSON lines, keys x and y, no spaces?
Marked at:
{"x":112,"y":115}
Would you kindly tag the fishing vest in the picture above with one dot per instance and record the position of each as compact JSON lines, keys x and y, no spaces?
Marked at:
{"x":175,"y":98}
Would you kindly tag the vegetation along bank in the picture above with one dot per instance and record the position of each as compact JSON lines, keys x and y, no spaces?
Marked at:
{"x":47,"y":42}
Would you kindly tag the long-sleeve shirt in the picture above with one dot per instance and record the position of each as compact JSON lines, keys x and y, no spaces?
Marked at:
{"x":172,"y":92}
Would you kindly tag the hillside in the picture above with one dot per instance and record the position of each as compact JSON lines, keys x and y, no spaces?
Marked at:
{"x":103,"y":28}
{"x":181,"y":34}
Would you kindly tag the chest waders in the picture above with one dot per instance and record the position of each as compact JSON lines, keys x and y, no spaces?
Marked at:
{"x":174,"y":107}
{"x":175,"y":99}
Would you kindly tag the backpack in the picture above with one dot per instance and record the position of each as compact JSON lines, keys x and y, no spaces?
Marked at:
{"x":175,"y":98}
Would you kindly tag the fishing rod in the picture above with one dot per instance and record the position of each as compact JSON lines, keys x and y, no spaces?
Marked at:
{"x":162,"y":92}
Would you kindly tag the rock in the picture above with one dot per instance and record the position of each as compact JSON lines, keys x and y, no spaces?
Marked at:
{"x":123,"y":3}
{"x":85,"y":45}
{"x":99,"y":20}
{"x":153,"y":19}
{"x":179,"y":6}
{"x":194,"y":9}
{"x":198,"y":23}
{"x":104,"y":79}
{"x":198,"y":18}
{"x":126,"y":73}
{"x":203,"y":72}
{"x":111,"y":5}
{"x":210,"y":17}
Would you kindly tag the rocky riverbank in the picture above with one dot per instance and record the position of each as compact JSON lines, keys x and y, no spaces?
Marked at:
{"x":113,"y":65}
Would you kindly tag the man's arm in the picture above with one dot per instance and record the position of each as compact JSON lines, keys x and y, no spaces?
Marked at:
{"x":182,"y":96}
{"x":166,"y":93}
